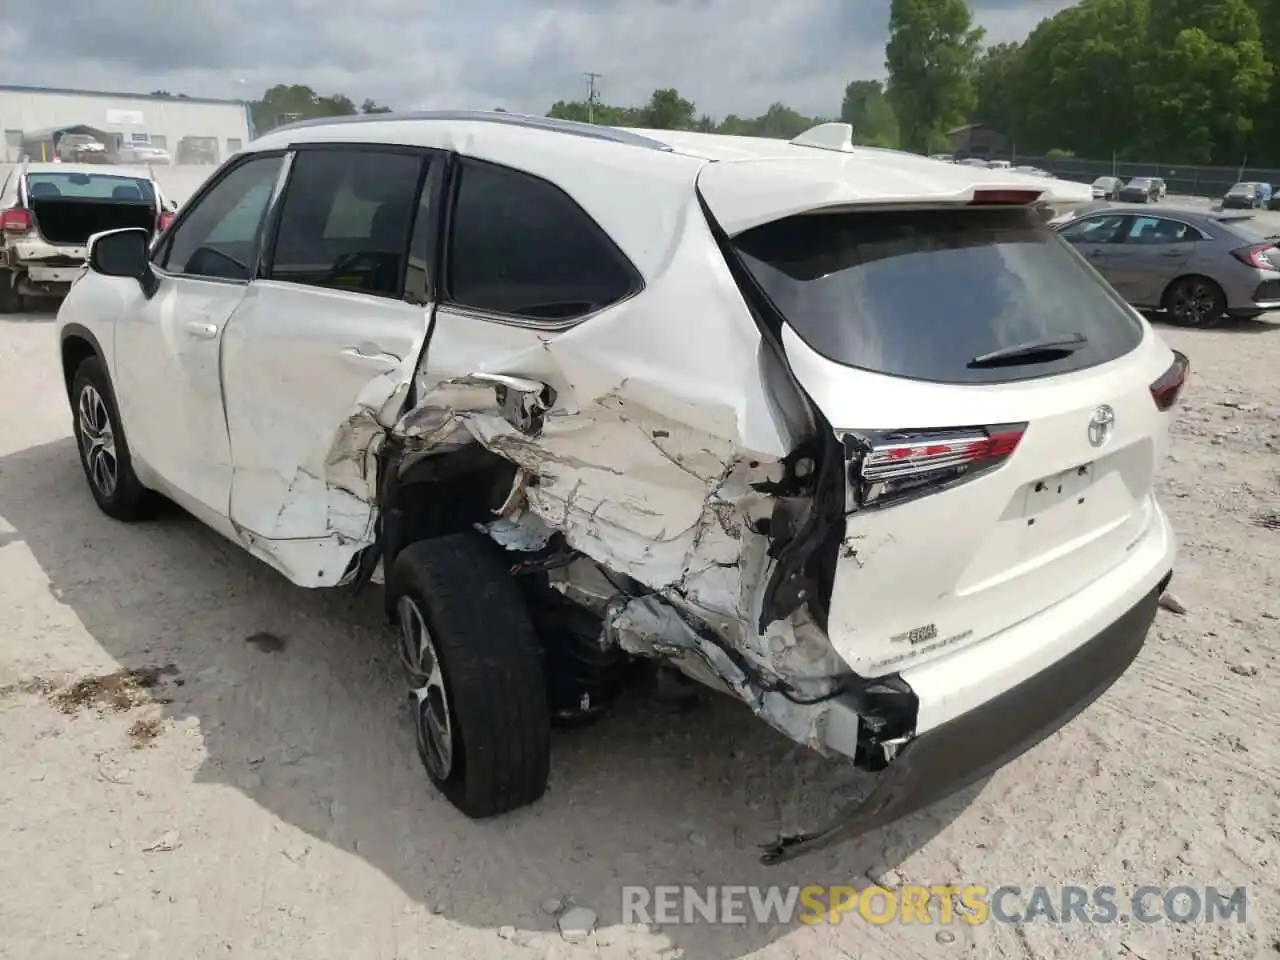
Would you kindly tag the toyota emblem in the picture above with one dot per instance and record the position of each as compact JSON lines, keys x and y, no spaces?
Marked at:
{"x":1101,"y":425}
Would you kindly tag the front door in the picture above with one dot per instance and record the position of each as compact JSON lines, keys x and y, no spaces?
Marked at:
{"x":167,"y":347}
{"x":315,"y":360}
{"x":1094,"y":238}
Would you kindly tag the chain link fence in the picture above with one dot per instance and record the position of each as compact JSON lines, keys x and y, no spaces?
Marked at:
{"x":1183,"y":179}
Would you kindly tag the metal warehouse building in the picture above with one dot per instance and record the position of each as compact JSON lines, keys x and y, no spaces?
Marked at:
{"x":33,"y":118}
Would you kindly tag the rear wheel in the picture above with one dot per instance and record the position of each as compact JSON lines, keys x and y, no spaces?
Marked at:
{"x":104,"y":452}
{"x":1195,"y":302}
{"x":11,"y":301}
{"x":476,"y":684}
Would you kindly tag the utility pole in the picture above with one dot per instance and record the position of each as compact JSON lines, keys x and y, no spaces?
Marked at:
{"x":591,"y":95}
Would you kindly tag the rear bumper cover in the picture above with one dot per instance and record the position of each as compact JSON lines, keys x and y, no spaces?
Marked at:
{"x":963,"y":750}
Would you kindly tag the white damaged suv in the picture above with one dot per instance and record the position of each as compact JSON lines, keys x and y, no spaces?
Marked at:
{"x":847,"y":434}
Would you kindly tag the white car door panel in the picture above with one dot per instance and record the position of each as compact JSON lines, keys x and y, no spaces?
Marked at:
{"x":167,"y":346}
{"x":317,"y":362}
{"x":169,"y":387}
{"x":307,"y":374}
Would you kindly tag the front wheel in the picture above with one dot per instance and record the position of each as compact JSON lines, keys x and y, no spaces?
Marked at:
{"x":476,"y":684}
{"x":1195,"y":302}
{"x":104,"y":452}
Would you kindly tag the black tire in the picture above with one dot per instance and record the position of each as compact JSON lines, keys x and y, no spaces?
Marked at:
{"x":11,"y":301}
{"x":1195,"y":302}
{"x":93,"y":405}
{"x":490,"y":684}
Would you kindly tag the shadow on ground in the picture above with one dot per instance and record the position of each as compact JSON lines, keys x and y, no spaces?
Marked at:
{"x":314,"y":732}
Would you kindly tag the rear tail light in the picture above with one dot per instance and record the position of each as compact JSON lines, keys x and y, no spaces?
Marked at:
{"x":163,"y":221}
{"x":888,"y":467}
{"x":1005,"y":197}
{"x":1168,"y":388}
{"x":15,"y":220}
{"x":1260,"y":256}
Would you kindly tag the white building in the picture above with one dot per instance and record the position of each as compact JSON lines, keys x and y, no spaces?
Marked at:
{"x":32,"y":116}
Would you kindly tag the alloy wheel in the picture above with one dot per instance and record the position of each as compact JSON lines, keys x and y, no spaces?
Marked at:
{"x":97,"y":441}
{"x":1195,"y":304}
{"x":432,"y":717}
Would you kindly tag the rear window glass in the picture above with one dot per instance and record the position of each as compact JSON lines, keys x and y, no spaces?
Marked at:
{"x":88,"y":186}
{"x":921,"y":294}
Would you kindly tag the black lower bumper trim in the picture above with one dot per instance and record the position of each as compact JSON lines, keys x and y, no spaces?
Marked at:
{"x":962,"y":751}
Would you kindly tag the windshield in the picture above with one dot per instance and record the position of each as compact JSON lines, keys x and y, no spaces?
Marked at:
{"x":1139,"y":183}
{"x":920,"y":293}
{"x":1240,"y":188}
{"x":88,"y":186}
{"x":1103,"y":182}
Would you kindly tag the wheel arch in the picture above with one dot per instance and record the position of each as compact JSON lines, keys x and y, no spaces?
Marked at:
{"x":78,"y":344}
{"x":1164,"y":294}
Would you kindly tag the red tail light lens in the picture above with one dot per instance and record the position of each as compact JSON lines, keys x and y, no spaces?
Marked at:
{"x":1005,"y":197}
{"x":1168,"y":388}
{"x":888,"y":467}
{"x":163,"y":221}
{"x":1262,"y":256}
{"x":15,"y":220}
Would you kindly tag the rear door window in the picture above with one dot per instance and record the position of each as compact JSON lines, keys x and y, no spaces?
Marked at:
{"x":345,"y":219}
{"x":922,"y":294}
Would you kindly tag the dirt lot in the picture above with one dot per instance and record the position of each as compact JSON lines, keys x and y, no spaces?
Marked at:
{"x":247,"y":786}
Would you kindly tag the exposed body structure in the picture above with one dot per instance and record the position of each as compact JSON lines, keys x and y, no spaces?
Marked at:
{"x":590,"y":394}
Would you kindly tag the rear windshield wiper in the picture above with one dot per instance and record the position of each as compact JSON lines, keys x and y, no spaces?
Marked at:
{"x":1033,"y":351}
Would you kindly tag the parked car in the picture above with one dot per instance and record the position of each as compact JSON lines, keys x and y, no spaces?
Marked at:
{"x":1197,"y":267}
{"x":973,"y":162}
{"x":531,"y":444}
{"x":1248,"y":195}
{"x":81,"y":148}
{"x":1032,"y":171}
{"x":1107,"y":188}
{"x":1274,"y":202}
{"x":1140,"y":190}
{"x":48,"y":212}
{"x":144,"y":153}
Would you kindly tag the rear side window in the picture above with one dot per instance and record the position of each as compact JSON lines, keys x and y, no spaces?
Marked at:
{"x":521,"y":247}
{"x":922,"y":294}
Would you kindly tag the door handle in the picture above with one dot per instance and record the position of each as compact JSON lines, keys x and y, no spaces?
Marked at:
{"x":383,"y":361}
{"x":205,"y":331}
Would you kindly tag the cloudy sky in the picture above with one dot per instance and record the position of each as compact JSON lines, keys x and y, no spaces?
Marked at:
{"x":730,"y":56}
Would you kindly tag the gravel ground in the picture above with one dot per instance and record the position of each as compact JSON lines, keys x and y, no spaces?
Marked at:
{"x":248,"y":785}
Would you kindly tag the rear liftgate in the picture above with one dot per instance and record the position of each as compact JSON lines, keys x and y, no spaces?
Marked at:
{"x":914,"y":771}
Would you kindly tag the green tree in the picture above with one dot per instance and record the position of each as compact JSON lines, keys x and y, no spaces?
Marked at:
{"x":866,"y":108}
{"x":931,"y":56}
{"x":995,"y":92}
{"x":1208,"y":79}
{"x":667,"y":110}
{"x":285,"y":103}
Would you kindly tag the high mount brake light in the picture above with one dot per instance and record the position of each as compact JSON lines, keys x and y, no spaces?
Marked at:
{"x":888,"y":467}
{"x":1004,"y":197}
{"x":15,"y":220}
{"x":1260,"y":256}
{"x":1168,"y":388}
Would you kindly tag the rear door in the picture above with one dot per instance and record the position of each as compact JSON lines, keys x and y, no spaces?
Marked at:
{"x":315,"y":359}
{"x":984,"y":485}
{"x":1149,"y":254}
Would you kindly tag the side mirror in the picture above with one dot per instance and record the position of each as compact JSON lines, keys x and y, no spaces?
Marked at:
{"x":123,"y":253}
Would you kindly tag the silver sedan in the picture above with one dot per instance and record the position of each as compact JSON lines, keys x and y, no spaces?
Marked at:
{"x":1198,"y":267}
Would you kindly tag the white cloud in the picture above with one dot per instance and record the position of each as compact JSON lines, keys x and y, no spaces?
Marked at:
{"x":730,"y":56}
